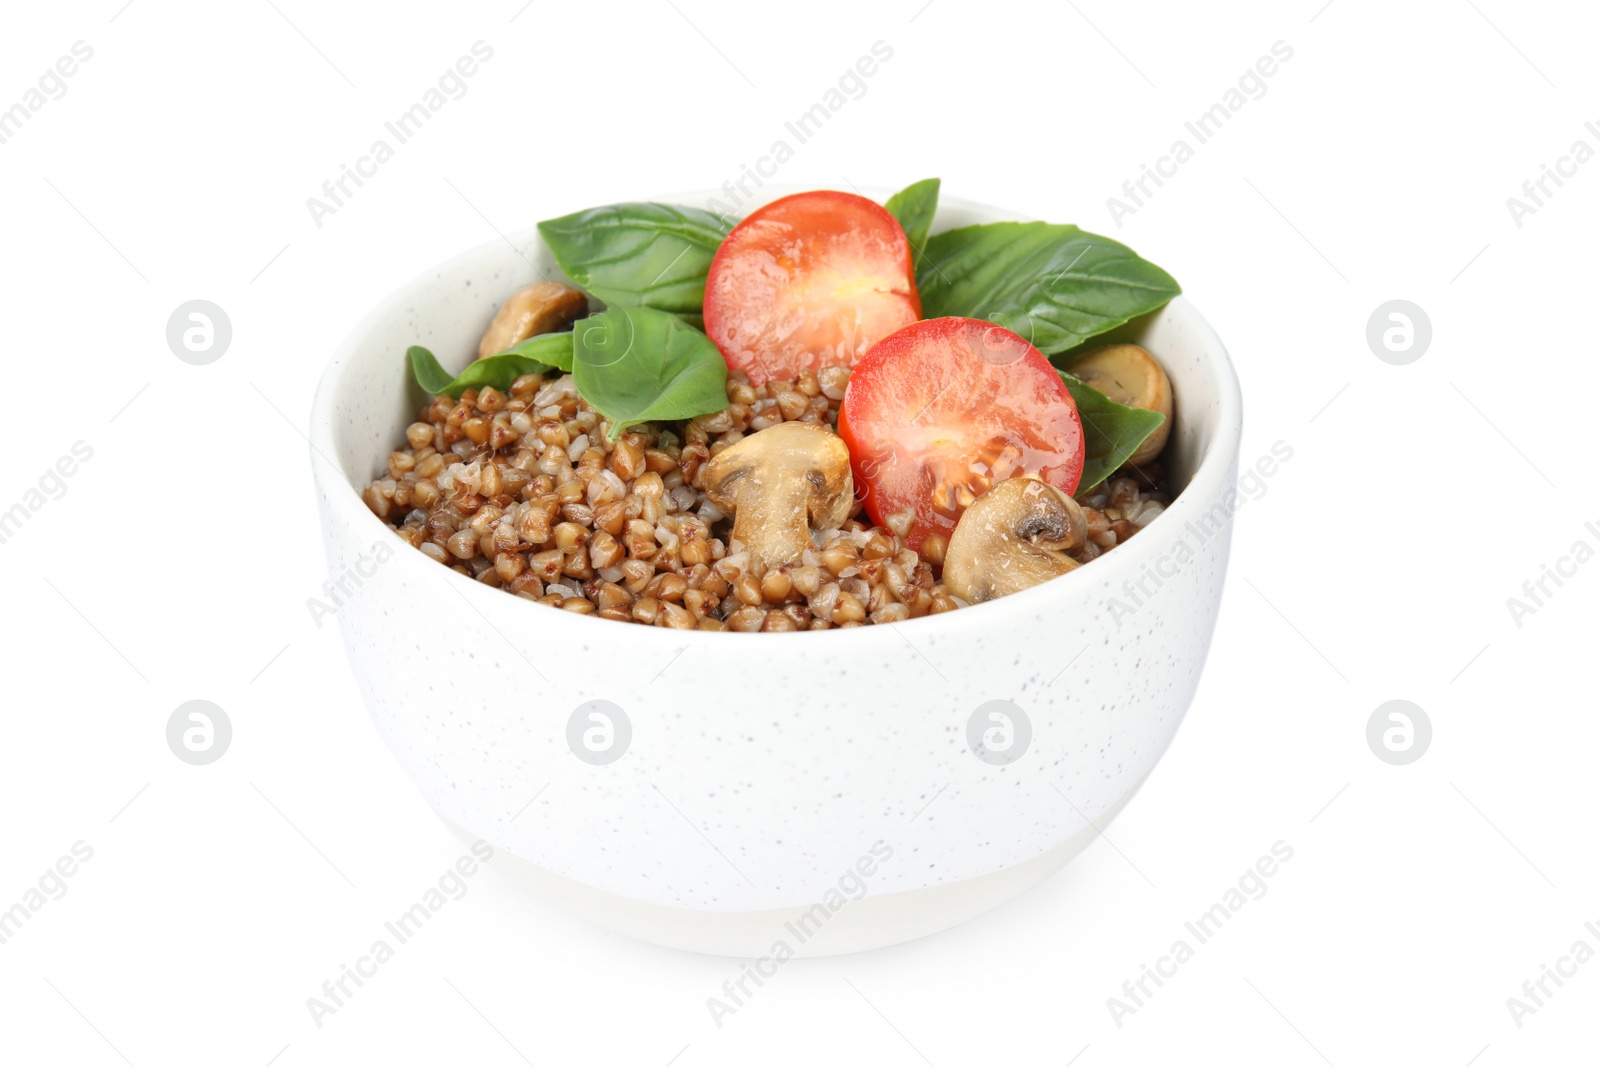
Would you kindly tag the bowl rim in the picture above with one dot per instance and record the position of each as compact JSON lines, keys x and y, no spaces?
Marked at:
{"x":1205,"y":484}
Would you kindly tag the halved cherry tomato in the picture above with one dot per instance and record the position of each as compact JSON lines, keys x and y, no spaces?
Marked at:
{"x":943,"y":409}
{"x":809,"y":281}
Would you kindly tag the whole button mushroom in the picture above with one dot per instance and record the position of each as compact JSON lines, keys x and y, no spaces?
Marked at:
{"x":1130,"y":376}
{"x":781,"y":483}
{"x":1011,"y":538}
{"x":542,"y":307}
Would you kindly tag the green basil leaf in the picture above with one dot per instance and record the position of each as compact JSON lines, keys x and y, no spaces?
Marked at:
{"x":638,"y":365}
{"x":1056,"y":286}
{"x":536,"y":355}
{"x":497,"y":371}
{"x":638,"y":255}
{"x":433,"y":378}
{"x":551,"y":349}
{"x":913,"y":207}
{"x":1111,"y":431}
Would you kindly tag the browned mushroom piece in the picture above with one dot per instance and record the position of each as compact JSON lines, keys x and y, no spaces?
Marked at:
{"x":542,"y":307}
{"x":1011,"y":538}
{"x":1132,"y":377}
{"x":779,"y":484}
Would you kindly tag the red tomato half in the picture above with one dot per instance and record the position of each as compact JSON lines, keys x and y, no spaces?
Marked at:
{"x":938,"y":412}
{"x":809,"y":281}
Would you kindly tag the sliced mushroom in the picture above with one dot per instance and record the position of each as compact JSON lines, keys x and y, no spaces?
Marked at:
{"x":1130,"y":376}
{"x":781,"y":483}
{"x":542,"y":307}
{"x":1011,"y":538}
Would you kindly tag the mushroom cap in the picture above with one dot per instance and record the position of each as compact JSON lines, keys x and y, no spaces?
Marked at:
{"x":542,"y":307}
{"x":1130,"y":376}
{"x":1011,"y":538}
{"x":779,"y":484}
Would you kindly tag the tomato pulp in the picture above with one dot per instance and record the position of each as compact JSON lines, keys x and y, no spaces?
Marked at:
{"x":941,"y":410}
{"x":809,"y":281}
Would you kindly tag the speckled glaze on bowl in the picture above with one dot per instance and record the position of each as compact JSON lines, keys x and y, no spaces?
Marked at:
{"x":768,"y":774}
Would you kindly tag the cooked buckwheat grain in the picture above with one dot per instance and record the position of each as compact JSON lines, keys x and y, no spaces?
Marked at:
{"x":521,"y":490}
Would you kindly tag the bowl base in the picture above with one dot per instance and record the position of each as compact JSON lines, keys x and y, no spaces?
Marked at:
{"x":869,"y":923}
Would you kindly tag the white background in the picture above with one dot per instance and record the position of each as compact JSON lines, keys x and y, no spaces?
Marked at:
{"x":1377,"y":565}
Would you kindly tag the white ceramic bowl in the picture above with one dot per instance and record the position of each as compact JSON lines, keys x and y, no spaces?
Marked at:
{"x":815,"y":789}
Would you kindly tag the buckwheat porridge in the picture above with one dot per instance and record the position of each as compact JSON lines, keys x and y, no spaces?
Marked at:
{"x":820,"y":455}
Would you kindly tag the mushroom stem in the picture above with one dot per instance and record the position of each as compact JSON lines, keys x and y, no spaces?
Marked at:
{"x":781,"y":483}
{"x":769,"y":518}
{"x":1011,"y":538}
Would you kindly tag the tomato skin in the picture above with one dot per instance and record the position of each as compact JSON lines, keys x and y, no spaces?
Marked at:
{"x":937,"y":412}
{"x":809,"y":281}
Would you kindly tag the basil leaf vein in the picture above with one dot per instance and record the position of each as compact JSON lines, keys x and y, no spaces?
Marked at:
{"x":637,"y":365}
{"x":1057,"y":286}
{"x":1111,"y":431}
{"x":913,"y":208}
{"x":638,"y":254}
